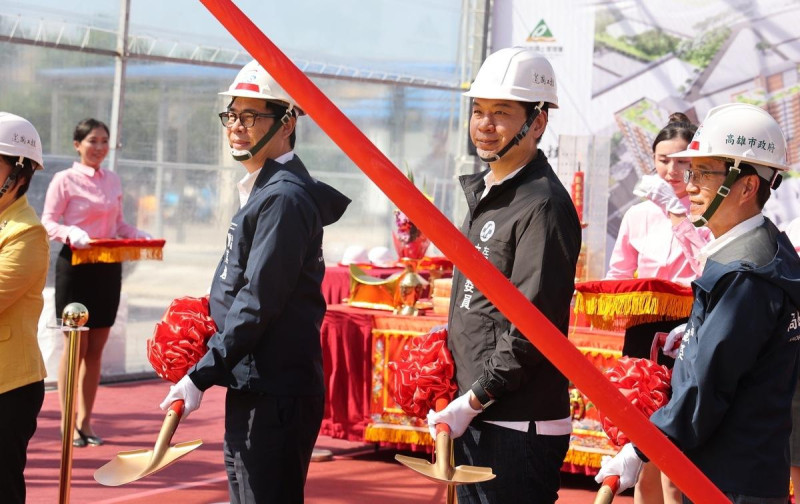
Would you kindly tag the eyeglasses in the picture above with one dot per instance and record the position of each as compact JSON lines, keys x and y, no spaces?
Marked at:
{"x":700,"y":177}
{"x":247,"y":119}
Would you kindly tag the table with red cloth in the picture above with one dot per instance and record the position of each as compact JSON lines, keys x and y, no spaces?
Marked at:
{"x":357,"y":344}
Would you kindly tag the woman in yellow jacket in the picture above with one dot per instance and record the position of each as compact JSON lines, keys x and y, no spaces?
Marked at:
{"x":24,"y":256}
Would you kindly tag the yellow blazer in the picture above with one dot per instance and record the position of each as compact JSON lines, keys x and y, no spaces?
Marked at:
{"x":24,"y":257}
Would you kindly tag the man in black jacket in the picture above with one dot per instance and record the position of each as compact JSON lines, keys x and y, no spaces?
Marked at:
{"x":266,"y":301}
{"x":512,"y":413}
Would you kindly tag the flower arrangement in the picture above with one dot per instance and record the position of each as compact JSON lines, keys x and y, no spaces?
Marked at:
{"x":407,"y":238}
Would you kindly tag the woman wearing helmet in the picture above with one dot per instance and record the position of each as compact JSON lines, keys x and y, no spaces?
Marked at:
{"x":24,"y":256}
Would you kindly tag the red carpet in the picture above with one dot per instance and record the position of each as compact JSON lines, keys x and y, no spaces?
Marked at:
{"x":127,"y":416}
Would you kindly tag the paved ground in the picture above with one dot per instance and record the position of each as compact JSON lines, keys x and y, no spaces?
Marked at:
{"x":128,"y":417}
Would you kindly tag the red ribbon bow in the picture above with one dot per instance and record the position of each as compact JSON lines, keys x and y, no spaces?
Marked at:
{"x":179,"y":340}
{"x":424,"y":374}
{"x":644,"y":383}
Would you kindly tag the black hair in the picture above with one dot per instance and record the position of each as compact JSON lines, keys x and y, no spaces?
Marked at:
{"x":279,"y":109}
{"x":25,"y":173}
{"x":678,"y":126}
{"x":763,"y":184}
{"x":86,"y":126}
{"x":530,"y":108}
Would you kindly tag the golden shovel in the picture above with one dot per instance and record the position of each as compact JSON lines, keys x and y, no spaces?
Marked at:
{"x":132,"y":465}
{"x":442,"y":470}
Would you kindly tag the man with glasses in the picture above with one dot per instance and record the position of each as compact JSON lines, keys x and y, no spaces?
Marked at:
{"x":266,"y":301}
{"x":737,"y":365}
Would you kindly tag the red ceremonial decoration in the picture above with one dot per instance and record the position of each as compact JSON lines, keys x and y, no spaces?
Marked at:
{"x":644,"y":383}
{"x":424,"y":374}
{"x":115,"y":250}
{"x":577,"y":193}
{"x":407,"y":238}
{"x":179,"y":340}
{"x":497,"y":288}
{"x":619,"y":304}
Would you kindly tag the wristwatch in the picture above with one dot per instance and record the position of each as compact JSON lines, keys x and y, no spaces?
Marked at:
{"x":482,"y":396}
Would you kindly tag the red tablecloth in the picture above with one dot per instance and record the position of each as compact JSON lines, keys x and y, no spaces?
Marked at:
{"x":346,"y":336}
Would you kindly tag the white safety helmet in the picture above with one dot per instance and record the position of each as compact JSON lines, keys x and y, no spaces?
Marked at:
{"x":740,"y":132}
{"x":19,"y":138}
{"x":253,"y":81}
{"x":382,"y":257}
{"x":354,"y":254}
{"x":516,"y":73}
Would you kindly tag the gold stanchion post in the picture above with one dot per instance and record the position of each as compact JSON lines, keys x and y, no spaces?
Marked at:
{"x":73,"y":318}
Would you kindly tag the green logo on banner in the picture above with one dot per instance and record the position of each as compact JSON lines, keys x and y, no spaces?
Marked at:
{"x":541,"y":31}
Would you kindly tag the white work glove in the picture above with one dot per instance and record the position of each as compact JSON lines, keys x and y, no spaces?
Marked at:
{"x":185,"y":389}
{"x":672,"y":344}
{"x":78,"y":238}
{"x":458,"y":414}
{"x":625,"y":464}
{"x":143,"y":235}
{"x":658,"y":191}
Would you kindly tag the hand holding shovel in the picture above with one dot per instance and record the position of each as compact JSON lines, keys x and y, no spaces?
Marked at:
{"x":442,"y":470}
{"x":607,"y":490}
{"x":133,"y":465}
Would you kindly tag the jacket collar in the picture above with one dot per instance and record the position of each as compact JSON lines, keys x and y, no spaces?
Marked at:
{"x":12,"y":210}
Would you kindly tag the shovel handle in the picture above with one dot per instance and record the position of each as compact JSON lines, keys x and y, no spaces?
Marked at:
{"x":440,"y":404}
{"x":607,"y":490}
{"x":176,"y":407}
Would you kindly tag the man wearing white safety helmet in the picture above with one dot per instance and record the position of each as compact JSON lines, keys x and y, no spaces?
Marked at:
{"x":24,"y":256}
{"x":512,"y":413}
{"x":266,"y":301}
{"x":737,"y":366}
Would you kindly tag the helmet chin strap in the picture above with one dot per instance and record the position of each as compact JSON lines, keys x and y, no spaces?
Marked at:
{"x":12,"y":177}
{"x":722,"y":193}
{"x":244,"y":155}
{"x":517,"y":138}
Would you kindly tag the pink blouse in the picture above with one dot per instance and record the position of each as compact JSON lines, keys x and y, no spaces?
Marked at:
{"x":648,"y":246}
{"x":89,"y":199}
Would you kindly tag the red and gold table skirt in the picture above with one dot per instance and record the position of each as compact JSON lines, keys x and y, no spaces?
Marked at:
{"x":359,"y":343}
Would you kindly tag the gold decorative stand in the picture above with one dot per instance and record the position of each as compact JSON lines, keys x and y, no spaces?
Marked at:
{"x":73,"y":318}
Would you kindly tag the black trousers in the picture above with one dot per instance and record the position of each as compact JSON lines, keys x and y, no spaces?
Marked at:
{"x":527,"y":465}
{"x":18,"y":411}
{"x":268,"y":445}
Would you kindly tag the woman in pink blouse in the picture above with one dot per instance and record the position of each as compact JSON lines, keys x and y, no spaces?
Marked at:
{"x":82,"y":203}
{"x":656,"y":240}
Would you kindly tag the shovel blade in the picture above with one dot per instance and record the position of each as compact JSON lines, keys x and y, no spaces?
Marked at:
{"x":129,"y":466}
{"x":460,"y":475}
